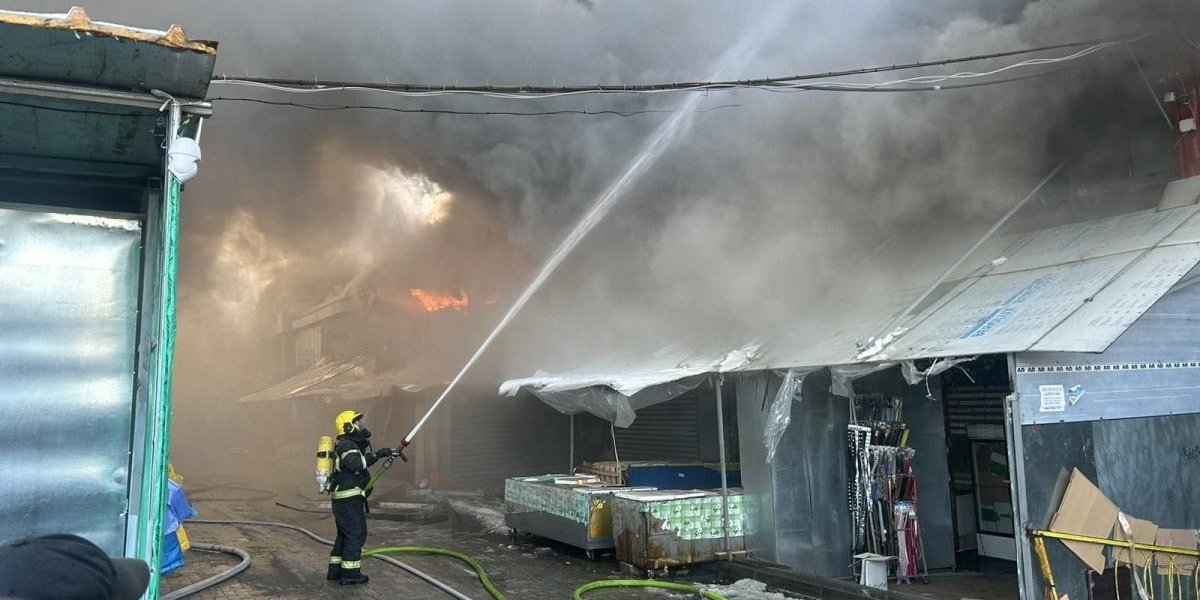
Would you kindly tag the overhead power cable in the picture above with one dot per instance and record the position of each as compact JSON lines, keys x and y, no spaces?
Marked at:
{"x":628,"y":113}
{"x":786,"y":82}
{"x":441,"y":111}
{"x":618,"y":113}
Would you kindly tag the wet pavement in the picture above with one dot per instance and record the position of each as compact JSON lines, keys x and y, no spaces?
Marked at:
{"x":287,"y":564}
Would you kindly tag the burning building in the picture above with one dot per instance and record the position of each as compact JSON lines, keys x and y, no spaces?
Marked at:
{"x":387,"y":349}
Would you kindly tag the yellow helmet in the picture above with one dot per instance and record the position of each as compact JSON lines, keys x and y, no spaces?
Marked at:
{"x":345,"y":421}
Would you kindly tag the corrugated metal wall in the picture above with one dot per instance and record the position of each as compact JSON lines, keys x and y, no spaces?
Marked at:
{"x":68,"y":318}
{"x":306,"y":348}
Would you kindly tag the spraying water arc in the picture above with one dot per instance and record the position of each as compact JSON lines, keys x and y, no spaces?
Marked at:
{"x":654,"y":147}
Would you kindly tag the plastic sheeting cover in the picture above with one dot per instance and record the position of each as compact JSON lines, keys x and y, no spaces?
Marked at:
{"x":613,"y":406}
{"x":913,"y":375}
{"x":615,"y":397}
{"x":68,"y":318}
{"x":780,"y":415}
{"x":843,"y":377}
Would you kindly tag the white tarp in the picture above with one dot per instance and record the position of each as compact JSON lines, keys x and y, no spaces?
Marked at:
{"x":615,"y":397}
{"x":613,"y":406}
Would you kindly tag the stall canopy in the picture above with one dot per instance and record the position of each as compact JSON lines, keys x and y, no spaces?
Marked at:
{"x":1073,"y":288}
{"x":349,"y":380}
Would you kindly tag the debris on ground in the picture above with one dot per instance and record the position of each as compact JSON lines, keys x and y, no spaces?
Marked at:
{"x":746,"y":589}
{"x":489,"y":518}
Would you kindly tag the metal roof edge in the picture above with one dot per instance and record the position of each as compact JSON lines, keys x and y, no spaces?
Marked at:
{"x":83,"y":93}
{"x":77,"y":20}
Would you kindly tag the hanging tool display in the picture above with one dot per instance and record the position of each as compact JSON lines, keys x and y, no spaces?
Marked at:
{"x":859,"y":438}
{"x":882,"y":489}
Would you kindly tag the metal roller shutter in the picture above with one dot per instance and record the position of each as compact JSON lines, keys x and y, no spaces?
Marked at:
{"x":666,"y":431}
{"x":496,"y":438}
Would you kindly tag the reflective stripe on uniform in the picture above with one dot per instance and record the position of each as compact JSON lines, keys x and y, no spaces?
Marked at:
{"x":335,"y":560}
{"x":350,"y":493}
{"x":342,"y":456}
{"x":352,"y":564}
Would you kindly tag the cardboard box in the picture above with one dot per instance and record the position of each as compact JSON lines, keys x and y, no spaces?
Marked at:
{"x":1177,"y":538}
{"x":1141,"y":532}
{"x":1085,"y":510}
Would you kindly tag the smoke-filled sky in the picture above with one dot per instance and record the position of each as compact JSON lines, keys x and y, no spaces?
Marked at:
{"x":767,"y":203}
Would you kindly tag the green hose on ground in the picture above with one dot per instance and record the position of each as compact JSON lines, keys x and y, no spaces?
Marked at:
{"x":496,"y":593}
{"x":483,"y":578}
{"x":644,"y":583}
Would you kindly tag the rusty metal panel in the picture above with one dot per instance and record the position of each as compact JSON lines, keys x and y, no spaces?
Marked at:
{"x":71,"y":48}
{"x":657,"y":529}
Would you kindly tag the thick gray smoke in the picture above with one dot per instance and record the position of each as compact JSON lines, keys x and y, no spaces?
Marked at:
{"x":772,"y":201}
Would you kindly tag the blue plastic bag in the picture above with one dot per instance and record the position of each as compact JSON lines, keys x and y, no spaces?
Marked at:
{"x":178,"y":507}
{"x":178,"y":510}
{"x":172,"y":554}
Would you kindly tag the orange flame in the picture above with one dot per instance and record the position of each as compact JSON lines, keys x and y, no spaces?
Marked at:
{"x":436,"y":301}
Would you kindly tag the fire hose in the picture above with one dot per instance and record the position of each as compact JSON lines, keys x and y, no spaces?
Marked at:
{"x":645,"y":583}
{"x":204,"y":584}
{"x":380,"y":553}
{"x":413,"y":570}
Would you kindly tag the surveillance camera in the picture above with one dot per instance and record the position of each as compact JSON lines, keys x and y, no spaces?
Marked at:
{"x":182,"y":158}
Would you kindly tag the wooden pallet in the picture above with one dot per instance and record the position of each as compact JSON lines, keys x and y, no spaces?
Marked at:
{"x":609,"y":472}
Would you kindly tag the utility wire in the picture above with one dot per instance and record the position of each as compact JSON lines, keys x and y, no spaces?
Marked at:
{"x":936,"y":79}
{"x":631,"y":113}
{"x":553,"y":91}
{"x":922,"y":88}
{"x":440,"y":111}
{"x":618,"y":113}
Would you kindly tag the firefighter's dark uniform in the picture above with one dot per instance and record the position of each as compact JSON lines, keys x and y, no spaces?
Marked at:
{"x":352,"y":457}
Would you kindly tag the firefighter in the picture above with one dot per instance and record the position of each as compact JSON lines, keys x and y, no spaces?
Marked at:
{"x":352,"y":456}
